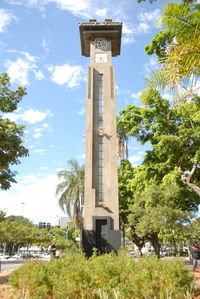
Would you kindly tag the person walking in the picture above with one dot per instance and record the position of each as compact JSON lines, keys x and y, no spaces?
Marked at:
{"x":52,"y":250}
{"x":194,"y":256}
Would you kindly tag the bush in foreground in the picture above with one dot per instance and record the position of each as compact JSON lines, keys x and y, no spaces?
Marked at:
{"x":106,"y":276}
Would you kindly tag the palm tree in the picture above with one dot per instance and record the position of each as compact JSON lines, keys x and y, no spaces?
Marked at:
{"x":177,"y":48}
{"x":70,"y":190}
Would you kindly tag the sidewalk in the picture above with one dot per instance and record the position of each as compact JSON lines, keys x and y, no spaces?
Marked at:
{"x":3,"y":284}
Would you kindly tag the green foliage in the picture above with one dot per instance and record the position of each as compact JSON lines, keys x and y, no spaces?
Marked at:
{"x":106,"y":276}
{"x":173,"y":132}
{"x":11,"y":142}
{"x":159,"y":44}
{"x":177,"y":47}
{"x":193,"y":231}
{"x":65,"y":239}
{"x":155,"y":210}
{"x":17,"y":230}
{"x":2,"y":215}
{"x":9,"y":98}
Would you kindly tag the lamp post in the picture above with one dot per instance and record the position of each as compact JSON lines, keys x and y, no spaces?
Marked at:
{"x":67,"y":229}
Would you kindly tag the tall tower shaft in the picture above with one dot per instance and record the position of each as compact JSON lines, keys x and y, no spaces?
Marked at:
{"x":100,"y":41}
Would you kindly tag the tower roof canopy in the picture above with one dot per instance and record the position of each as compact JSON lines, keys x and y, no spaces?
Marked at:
{"x":108,"y":30}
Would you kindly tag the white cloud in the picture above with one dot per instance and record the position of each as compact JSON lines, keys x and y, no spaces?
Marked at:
{"x":128,"y":32}
{"x":39,"y":130}
{"x":47,"y":127}
{"x":37,"y":135}
{"x":28,"y":56}
{"x":152,"y":64}
{"x":141,"y":153}
{"x":18,"y":70}
{"x":168,"y":96}
{"x":5,"y":19}
{"x":66,"y":74}
{"x":80,"y":8}
{"x":40,"y":151}
{"x":81,"y":156}
{"x":136,"y":95}
{"x":38,"y":195}
{"x":34,"y":116}
{"x":59,"y":169}
{"x":101,"y":12}
{"x":76,"y":7}
{"x":44,"y":167}
{"x":150,"y":16}
{"x":81,"y":111}
{"x":31,"y":116}
{"x":134,"y":160}
{"x":45,"y":46}
{"x":143,"y":27}
{"x":128,"y":39}
{"x":39,"y":75}
{"x":147,"y":20}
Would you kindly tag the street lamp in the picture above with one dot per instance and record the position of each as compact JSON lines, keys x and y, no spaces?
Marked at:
{"x":67,"y":229}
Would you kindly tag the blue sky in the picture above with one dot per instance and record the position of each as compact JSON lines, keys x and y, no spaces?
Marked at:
{"x":40,"y":49}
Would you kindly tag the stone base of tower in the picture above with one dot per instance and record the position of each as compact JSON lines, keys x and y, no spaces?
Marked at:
{"x":102,"y":237}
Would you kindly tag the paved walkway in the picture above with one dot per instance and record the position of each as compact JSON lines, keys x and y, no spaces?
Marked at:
{"x":4,"y":292}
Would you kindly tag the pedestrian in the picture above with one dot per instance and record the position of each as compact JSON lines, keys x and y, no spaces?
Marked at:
{"x":194,"y":255}
{"x":52,"y":250}
{"x":57,"y":254}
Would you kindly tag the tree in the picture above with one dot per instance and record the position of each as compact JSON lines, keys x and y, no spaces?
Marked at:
{"x":152,"y":208}
{"x":2,"y":215}
{"x":11,"y":142}
{"x":165,"y":187}
{"x":16,"y":231}
{"x":177,"y":48}
{"x":70,"y":190}
{"x":194,"y":231}
{"x":172,"y":130}
{"x":65,"y":238}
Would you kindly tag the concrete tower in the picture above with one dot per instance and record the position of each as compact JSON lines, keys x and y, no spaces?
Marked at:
{"x":100,"y":41}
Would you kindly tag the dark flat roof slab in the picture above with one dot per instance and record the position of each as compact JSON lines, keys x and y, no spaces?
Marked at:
{"x":108,"y":30}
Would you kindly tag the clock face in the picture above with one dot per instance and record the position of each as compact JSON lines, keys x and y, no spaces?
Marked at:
{"x":101,"y":57}
{"x":101,"y":44}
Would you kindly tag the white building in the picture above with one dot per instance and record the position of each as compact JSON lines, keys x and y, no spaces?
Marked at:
{"x":62,"y":221}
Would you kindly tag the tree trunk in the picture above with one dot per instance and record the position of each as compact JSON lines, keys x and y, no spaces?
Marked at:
{"x":186,"y":180}
{"x":194,"y":187}
{"x":155,"y":243}
{"x":139,"y":242}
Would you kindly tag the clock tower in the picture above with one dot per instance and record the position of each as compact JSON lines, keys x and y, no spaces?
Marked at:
{"x":100,"y":41}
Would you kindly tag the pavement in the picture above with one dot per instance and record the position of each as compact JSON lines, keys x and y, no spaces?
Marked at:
{"x":4,"y":277}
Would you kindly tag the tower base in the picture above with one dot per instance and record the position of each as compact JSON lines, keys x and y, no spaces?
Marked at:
{"x":102,"y":237}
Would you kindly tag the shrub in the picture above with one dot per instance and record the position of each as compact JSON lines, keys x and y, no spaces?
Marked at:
{"x":106,"y":276}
